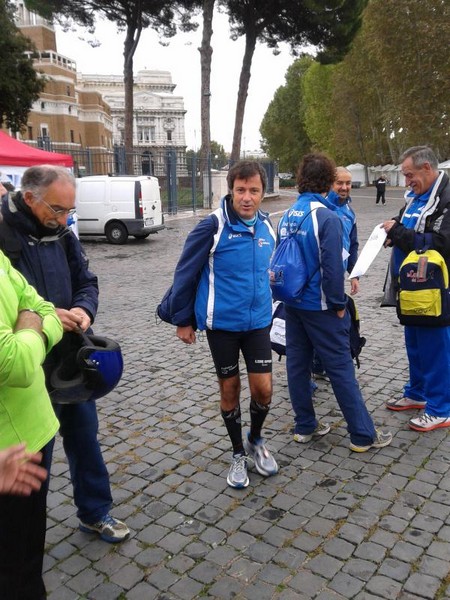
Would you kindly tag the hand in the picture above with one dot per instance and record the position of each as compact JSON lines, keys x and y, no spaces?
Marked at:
{"x":354,"y":286}
{"x":186,"y":334}
{"x":27,"y":319}
{"x":74,"y":319}
{"x":19,"y":475}
{"x":388,"y":225}
{"x":341,"y":313}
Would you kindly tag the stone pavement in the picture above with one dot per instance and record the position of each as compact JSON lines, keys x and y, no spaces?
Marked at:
{"x":330,"y":525}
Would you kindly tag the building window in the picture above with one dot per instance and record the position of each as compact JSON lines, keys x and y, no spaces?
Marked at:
{"x":169,"y":136}
{"x":70,"y":110}
{"x":68,"y":90}
{"x":147,"y":134}
{"x":143,"y":135}
{"x":42,"y":105}
{"x":72,"y":136}
{"x":44,"y":131}
{"x":30,"y":132}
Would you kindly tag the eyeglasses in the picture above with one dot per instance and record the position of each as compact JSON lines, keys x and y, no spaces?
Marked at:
{"x":60,"y":211}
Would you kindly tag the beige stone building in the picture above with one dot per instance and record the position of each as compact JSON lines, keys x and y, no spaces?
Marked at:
{"x":63,"y":116}
{"x":158,"y":121}
{"x":77,"y":112}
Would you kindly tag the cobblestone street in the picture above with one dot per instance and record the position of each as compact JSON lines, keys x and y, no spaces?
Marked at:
{"x":331,"y":525}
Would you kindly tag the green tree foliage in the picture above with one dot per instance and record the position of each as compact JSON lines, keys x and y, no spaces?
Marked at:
{"x":317,"y":91}
{"x":219,"y":157}
{"x":284,"y":137}
{"x":358,"y":108}
{"x":20,"y":84}
{"x":131,"y":16}
{"x":414,"y":67}
{"x":328,"y":25}
{"x":390,"y":91}
{"x":393,"y":91}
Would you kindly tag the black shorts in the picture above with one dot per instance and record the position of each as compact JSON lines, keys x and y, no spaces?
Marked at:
{"x":254,"y":345}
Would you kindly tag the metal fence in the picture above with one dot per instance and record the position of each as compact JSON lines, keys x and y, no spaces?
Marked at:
{"x":185,"y":180}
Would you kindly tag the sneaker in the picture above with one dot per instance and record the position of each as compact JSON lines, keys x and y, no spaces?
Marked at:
{"x":321,"y":429}
{"x":404,"y":404}
{"x":237,"y":475}
{"x":382,"y":440}
{"x":265,"y":463}
{"x":427,"y":422}
{"x":110,"y":529}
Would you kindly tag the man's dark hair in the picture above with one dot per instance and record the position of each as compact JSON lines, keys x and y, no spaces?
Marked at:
{"x":420,"y":155}
{"x":316,"y":174}
{"x":245,"y":169}
{"x":37,"y":179}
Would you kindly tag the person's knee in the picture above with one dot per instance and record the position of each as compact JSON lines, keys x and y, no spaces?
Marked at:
{"x":262,"y":393}
{"x":229,"y":392}
{"x":264,"y":399}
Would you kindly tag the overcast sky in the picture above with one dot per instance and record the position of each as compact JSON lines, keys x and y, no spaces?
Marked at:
{"x":182,"y":59}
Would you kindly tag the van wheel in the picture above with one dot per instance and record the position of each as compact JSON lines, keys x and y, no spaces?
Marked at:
{"x":116,"y":233}
{"x":141,"y":236}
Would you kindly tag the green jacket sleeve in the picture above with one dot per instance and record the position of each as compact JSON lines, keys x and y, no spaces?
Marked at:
{"x":23,"y":352}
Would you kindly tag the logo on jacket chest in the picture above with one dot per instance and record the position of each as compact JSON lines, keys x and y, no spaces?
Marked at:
{"x":260,"y":241}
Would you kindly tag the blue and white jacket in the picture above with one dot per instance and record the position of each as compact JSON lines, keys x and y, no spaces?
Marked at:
{"x":222,"y":277}
{"x":321,"y":241}
{"x":349,"y":230}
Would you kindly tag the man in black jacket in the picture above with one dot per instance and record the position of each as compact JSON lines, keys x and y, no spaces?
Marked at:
{"x":424,"y":222}
{"x":380,"y":184}
{"x":35,"y":237}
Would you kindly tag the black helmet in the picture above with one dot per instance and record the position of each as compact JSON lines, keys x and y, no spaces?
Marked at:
{"x":90,"y":368}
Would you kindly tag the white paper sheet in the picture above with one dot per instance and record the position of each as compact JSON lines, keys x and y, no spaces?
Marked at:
{"x":369,"y":252}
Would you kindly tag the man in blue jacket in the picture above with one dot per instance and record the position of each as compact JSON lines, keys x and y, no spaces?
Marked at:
{"x":423,"y":222}
{"x":319,"y":320}
{"x":340,"y":197}
{"x":221,"y":285}
{"x":35,"y":237}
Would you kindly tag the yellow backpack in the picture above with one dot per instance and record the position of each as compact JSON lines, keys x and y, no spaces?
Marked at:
{"x":424,"y":297}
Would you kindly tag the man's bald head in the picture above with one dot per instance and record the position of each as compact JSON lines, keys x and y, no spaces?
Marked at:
{"x":342,"y":183}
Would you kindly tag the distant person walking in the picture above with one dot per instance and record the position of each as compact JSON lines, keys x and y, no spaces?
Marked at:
{"x":380,"y":184}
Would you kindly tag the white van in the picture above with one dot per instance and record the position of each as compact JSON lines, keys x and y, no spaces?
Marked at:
{"x":118,"y":207}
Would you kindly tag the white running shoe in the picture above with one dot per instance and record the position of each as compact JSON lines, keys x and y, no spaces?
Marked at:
{"x":237,"y":475}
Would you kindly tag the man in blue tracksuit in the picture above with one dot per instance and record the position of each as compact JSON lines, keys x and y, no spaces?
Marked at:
{"x":35,"y":237}
{"x":424,"y":221}
{"x":319,"y":320}
{"x":221,"y":285}
{"x":339,"y":196}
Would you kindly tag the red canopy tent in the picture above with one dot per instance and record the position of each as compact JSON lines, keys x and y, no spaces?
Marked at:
{"x":17,"y":154}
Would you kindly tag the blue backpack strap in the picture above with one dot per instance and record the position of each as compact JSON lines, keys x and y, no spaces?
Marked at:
{"x":423,"y":242}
